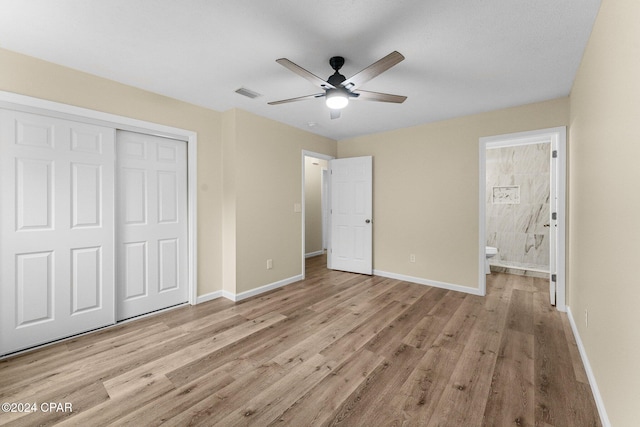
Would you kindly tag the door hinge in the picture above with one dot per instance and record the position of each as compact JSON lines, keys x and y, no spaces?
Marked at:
{"x":553,"y":278}
{"x":554,"y":154}
{"x":554,"y":216}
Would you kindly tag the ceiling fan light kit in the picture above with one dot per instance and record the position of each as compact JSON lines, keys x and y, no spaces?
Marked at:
{"x":338,"y":89}
{"x":336,"y":99}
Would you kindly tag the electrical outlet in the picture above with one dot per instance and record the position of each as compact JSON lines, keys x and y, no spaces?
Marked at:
{"x":586,"y":318}
{"x":412,"y":257}
{"x":269,"y":264}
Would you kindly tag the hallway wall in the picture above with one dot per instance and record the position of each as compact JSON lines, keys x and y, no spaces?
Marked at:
{"x":604,"y":207}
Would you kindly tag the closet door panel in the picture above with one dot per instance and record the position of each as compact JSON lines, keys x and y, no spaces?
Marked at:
{"x":152,"y":223}
{"x":56,"y":229}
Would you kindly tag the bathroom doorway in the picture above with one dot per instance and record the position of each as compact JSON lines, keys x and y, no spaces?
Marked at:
{"x":522,"y":206}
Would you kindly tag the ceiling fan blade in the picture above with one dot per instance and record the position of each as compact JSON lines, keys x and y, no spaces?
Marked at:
{"x":373,"y":70}
{"x":380,"y":97}
{"x":304,"y":73}
{"x":335,"y":114}
{"x":299,"y":98}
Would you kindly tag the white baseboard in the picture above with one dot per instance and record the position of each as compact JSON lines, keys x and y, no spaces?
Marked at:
{"x":208,"y":297}
{"x":312,"y":254}
{"x":427,"y":282}
{"x":266,"y":288}
{"x":604,"y":418}
{"x":247,"y":294}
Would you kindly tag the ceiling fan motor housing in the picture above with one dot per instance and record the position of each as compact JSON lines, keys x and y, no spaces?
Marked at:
{"x":336,"y":78}
{"x":336,"y":62}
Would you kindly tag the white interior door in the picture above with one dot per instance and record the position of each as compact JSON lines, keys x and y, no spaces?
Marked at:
{"x":351,"y":214}
{"x":56,"y":229}
{"x":151,"y":223}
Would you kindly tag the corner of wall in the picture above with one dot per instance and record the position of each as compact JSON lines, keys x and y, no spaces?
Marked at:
{"x":229,"y":139}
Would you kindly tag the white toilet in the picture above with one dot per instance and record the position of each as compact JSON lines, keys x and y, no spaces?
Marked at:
{"x":489,"y":252}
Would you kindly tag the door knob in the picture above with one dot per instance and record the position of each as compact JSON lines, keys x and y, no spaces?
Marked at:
{"x":367,"y":221}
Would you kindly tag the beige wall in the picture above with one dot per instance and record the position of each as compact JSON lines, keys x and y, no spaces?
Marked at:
{"x":426,"y":189}
{"x":268,"y":183}
{"x":32,"y":77}
{"x":604,"y":235}
{"x":313,"y":204}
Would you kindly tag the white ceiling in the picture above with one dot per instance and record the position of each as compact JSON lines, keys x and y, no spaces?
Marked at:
{"x":462,"y":56}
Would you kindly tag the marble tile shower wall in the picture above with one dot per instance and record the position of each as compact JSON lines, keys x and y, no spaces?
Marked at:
{"x":518,"y":229}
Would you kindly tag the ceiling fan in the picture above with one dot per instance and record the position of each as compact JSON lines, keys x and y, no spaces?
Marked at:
{"x":338,"y":89}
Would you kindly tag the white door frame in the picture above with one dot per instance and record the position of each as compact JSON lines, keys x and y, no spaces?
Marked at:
{"x":558,"y":138}
{"x":321,"y":156}
{"x":13,"y":101}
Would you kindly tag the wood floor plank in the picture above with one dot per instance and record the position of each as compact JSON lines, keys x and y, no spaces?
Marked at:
{"x":212,"y":409}
{"x":272,"y":402}
{"x":364,"y":284}
{"x":90,"y":369}
{"x":560,"y":399}
{"x":318,"y":405}
{"x":357,"y":337}
{"x":290,"y":331}
{"x":430,"y":326}
{"x":334,"y":349}
{"x":467,"y":393}
{"x":176,"y":401}
{"x":420,"y":394}
{"x":326,"y":335}
{"x":511,"y":397}
{"x":115,"y":408}
{"x":520,"y":315}
{"x":93,"y":344}
{"x":137,"y":379}
{"x":387,"y":341}
{"x":371,"y":405}
{"x":362,"y":302}
{"x":550,"y":377}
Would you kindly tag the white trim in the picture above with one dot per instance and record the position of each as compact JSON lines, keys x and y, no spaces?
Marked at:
{"x":427,"y":282}
{"x":32,"y":105}
{"x":209,"y":297}
{"x":228,"y":295}
{"x":558,"y":138}
{"x":306,"y":153}
{"x":312,"y":254}
{"x":262,"y":289}
{"x":604,"y":418}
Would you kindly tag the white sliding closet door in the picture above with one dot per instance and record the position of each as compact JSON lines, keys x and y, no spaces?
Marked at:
{"x":56,"y":229}
{"x":151,"y":238}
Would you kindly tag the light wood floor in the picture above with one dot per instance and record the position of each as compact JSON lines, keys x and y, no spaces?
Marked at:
{"x":335,"y":349}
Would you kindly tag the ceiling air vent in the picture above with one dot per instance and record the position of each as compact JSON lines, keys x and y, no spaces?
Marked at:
{"x":248,"y":93}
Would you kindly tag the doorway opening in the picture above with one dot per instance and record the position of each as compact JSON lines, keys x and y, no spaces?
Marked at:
{"x":315,"y":205}
{"x":522,"y":206}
